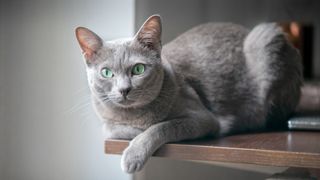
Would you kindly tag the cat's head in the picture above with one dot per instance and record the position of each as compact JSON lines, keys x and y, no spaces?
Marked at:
{"x":124,"y":73}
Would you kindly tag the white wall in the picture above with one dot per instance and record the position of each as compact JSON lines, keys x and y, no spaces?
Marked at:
{"x":52,"y":132}
{"x":2,"y":123}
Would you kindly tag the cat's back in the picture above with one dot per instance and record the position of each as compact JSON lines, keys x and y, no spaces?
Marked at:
{"x":205,"y":43}
{"x":209,"y":53}
{"x":210,"y":58}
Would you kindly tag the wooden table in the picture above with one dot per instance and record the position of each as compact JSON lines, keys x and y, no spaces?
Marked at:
{"x":290,"y":149}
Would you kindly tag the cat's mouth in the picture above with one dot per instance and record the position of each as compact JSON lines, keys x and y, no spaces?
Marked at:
{"x":128,"y":101}
{"x":124,"y":102}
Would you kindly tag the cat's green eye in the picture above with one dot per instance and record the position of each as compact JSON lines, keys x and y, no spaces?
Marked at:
{"x":106,"y":73}
{"x":138,"y":69}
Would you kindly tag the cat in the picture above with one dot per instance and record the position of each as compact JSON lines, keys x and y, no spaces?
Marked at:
{"x":213,"y":80}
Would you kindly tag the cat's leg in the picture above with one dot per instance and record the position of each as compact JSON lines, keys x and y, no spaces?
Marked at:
{"x":145,"y":144}
{"x":119,"y":131}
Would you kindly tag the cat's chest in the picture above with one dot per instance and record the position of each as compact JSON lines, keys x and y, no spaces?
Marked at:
{"x":140,"y":118}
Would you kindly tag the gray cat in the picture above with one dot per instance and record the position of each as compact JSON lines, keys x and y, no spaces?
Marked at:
{"x":212,"y":80}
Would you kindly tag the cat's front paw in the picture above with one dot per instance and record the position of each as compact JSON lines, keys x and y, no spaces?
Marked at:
{"x":133,"y":159}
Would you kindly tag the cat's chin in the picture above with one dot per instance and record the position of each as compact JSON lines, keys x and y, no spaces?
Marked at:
{"x":128,"y":104}
{"x":125,"y":104}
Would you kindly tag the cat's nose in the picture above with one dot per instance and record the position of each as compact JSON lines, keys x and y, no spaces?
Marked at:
{"x":125,"y":91}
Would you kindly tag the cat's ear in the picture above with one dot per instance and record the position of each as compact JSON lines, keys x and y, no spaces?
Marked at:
{"x":149,"y":35}
{"x":89,"y":42}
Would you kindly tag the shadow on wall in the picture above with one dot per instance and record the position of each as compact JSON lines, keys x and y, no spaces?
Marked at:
{"x":169,"y":169}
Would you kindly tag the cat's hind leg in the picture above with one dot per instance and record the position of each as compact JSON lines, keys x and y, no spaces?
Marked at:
{"x":275,"y":67}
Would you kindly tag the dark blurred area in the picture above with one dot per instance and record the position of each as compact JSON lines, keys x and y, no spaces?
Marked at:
{"x":301,"y":35}
{"x":297,"y":16}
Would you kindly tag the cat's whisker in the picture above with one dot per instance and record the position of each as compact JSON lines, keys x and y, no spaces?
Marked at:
{"x":82,"y":102}
{"x":77,"y":108}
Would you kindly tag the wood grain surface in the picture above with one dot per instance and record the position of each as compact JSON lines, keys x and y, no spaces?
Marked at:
{"x":290,"y":149}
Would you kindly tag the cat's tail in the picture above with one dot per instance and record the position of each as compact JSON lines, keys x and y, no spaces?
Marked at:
{"x":274,"y":65}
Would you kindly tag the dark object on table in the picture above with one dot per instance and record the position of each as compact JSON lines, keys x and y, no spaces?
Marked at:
{"x":305,"y":123}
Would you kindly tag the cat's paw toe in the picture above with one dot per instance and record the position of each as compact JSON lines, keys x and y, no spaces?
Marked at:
{"x":132,"y":161}
{"x":131,"y":167}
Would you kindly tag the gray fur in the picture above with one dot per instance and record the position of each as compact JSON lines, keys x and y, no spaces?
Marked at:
{"x":212,"y":80}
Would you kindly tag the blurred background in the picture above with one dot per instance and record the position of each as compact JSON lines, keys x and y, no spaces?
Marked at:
{"x":48,"y":129}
